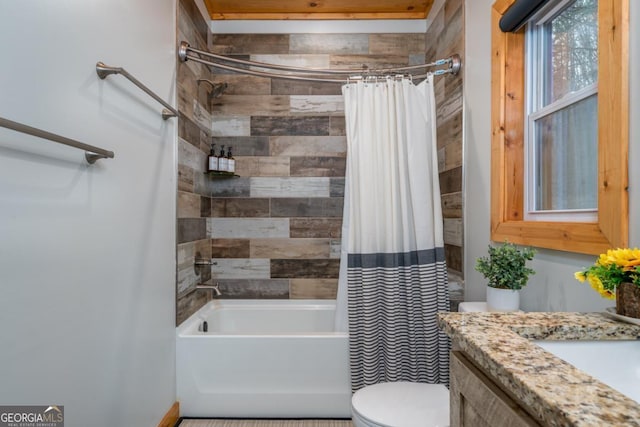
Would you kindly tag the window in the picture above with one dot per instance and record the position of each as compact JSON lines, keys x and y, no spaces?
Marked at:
{"x":561,"y":143}
{"x":563,"y":178}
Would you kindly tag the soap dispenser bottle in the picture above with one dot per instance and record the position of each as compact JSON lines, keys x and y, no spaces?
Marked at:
{"x":212,"y":161}
{"x":231,"y":162}
{"x":222,"y":161}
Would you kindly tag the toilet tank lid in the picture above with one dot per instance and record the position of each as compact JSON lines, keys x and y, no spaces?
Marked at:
{"x":472,"y":306}
{"x":403,"y":404}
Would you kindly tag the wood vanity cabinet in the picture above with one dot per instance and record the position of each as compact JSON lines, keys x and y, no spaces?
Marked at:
{"x":476,"y":401}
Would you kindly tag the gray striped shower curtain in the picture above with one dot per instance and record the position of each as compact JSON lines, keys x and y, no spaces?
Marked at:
{"x":393,"y":277}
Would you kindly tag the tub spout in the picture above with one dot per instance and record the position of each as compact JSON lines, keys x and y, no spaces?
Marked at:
{"x":214,"y":288}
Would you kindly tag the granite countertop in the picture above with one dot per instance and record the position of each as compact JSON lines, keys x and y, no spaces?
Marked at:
{"x":555,"y":392}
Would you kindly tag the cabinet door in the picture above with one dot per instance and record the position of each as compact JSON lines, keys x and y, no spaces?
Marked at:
{"x":477,"y":402}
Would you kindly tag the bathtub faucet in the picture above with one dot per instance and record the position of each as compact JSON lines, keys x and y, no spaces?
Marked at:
{"x":215,"y":288}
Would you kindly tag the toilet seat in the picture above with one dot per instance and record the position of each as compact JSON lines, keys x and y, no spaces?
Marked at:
{"x":401,"y":404}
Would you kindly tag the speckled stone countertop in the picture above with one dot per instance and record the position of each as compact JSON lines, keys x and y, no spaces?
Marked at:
{"x":552,"y":390}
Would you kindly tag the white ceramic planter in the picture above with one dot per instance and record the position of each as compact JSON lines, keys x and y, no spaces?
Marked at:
{"x":502,"y":299}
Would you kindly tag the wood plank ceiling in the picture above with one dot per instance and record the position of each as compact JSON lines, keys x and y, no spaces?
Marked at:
{"x":318,"y":9}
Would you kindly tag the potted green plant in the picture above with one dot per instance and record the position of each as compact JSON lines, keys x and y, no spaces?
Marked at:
{"x":506,"y":271}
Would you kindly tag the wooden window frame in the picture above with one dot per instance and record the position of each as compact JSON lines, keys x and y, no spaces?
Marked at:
{"x":507,"y":140}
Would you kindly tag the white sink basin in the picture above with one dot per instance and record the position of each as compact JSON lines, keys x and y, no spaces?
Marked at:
{"x":615,"y":363}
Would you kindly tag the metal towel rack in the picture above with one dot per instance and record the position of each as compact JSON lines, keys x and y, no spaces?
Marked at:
{"x":104,"y":70}
{"x":91,"y":153}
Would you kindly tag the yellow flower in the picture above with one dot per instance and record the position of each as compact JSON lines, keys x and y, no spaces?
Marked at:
{"x":612,"y":268}
{"x":626,"y":258}
{"x":596,"y":284}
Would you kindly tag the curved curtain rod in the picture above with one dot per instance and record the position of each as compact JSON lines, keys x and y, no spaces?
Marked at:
{"x":185,"y":52}
{"x":261,"y":73}
{"x":309,"y":79}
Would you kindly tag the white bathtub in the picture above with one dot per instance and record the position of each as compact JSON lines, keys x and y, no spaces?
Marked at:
{"x":263,"y":359}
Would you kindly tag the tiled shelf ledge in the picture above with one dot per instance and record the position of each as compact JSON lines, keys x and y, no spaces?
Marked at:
{"x":221,"y":175}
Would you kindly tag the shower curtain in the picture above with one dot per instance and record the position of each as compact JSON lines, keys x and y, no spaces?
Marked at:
{"x":393,"y":277}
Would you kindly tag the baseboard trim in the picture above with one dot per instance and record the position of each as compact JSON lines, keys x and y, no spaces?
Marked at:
{"x":172,"y":416}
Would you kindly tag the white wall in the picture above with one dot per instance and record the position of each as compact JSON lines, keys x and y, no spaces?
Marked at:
{"x":87,"y":252}
{"x":553,"y":288}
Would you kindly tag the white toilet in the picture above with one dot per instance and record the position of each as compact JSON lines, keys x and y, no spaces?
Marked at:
{"x":405,"y":404}
{"x":401,"y":404}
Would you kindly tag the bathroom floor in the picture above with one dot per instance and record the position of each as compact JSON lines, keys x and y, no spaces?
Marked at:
{"x":264,"y":423}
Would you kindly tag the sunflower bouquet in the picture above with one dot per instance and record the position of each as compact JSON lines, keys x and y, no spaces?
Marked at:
{"x":611,"y":269}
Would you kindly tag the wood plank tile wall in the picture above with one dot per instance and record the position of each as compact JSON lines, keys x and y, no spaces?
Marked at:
{"x":194,"y":134}
{"x":445,"y":37}
{"x":275,"y":231}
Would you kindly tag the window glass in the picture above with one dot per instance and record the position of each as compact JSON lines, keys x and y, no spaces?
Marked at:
{"x":566,"y":148}
{"x":571,"y":50}
{"x":562,"y":140}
